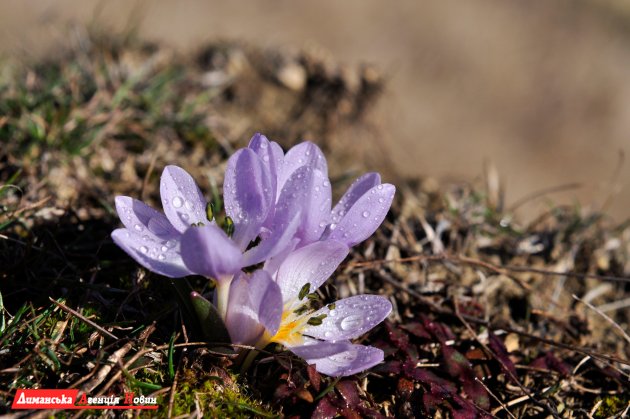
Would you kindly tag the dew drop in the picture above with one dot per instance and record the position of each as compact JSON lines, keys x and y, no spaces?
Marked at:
{"x":333,"y":226}
{"x":161,"y":256}
{"x":353,"y":321}
{"x":178,"y":202}
{"x":381,"y":200}
{"x":326,"y":184}
{"x":164,"y":248}
{"x":332,"y":313}
{"x":327,"y":334}
{"x":379,"y":187}
{"x":322,"y":224}
{"x":170,"y":244}
{"x":138,"y":227}
{"x":263,"y":145}
{"x":144,"y":249}
{"x":365,"y":214}
{"x":185,"y":217}
{"x":188,"y":205}
{"x":266,"y":158}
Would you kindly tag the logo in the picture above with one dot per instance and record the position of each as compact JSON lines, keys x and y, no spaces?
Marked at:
{"x":70,"y":399}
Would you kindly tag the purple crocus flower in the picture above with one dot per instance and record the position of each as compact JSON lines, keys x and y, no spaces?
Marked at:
{"x":161,"y":242}
{"x":285,"y":200}
{"x":266,"y":308}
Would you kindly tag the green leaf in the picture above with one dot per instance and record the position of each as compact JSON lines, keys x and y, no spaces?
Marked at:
{"x":212,"y":325}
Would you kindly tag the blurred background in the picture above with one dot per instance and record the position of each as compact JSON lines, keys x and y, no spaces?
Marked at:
{"x":539,"y":90}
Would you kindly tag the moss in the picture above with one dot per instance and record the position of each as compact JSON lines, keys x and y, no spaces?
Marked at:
{"x":612,"y":405}
{"x":217,"y":398}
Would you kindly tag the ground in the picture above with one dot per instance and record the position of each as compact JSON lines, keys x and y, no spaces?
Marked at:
{"x":492,"y":317}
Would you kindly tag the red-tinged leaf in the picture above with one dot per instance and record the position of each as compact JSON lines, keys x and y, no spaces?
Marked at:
{"x":390,"y":367}
{"x":431,"y":402}
{"x":405,"y":387}
{"x":366,"y":412}
{"x":386,"y":347}
{"x":416,"y":329}
{"x":409,"y":368}
{"x":348,"y":391}
{"x":397,"y":336}
{"x":325,"y":410}
{"x":549,"y":361}
{"x":465,"y":413}
{"x":440,"y":384}
{"x":439,"y":331}
{"x":282,"y":391}
{"x":502,"y":355}
{"x":350,"y":413}
{"x":456,"y":363}
{"x":314,"y":377}
{"x":476,"y":354}
{"x":474,"y":390}
{"x":472,"y":308}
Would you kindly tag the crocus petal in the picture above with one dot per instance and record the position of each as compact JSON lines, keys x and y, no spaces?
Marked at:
{"x":351,"y":360}
{"x":358,"y":188}
{"x":247,"y":194}
{"x":208,"y":251}
{"x":279,"y":240}
{"x":307,"y":191}
{"x":311,"y":264}
{"x":156,"y":255}
{"x":303,"y":154}
{"x":272,"y":157}
{"x":139,"y":217}
{"x":314,"y":349}
{"x":350,"y":318}
{"x":182,"y":199}
{"x":255,"y":304}
{"x":365,"y":216}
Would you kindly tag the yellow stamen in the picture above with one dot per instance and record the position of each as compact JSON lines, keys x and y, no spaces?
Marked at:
{"x":291,"y":325}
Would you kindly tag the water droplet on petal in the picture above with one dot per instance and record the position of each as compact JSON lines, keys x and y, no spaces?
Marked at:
{"x":263,"y":144}
{"x":178,"y":202}
{"x":164,"y":248}
{"x":322,"y":224}
{"x":326,"y":184}
{"x":170,"y":244}
{"x":188,"y":205}
{"x":379,"y":187}
{"x":381,"y":200}
{"x":161,"y":256}
{"x":333,"y":226}
{"x":327,"y":334}
{"x":353,"y":321}
{"x":144,"y":249}
{"x":138,"y":227}
{"x":184,"y":217}
{"x":365,"y":214}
